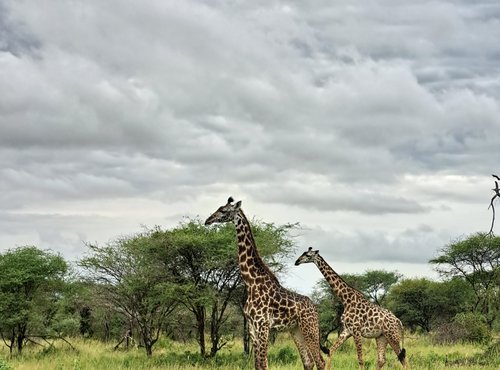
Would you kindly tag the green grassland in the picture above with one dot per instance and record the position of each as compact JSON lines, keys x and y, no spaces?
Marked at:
{"x":93,"y":355}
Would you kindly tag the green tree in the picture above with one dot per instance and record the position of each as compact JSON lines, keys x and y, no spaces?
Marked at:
{"x":132,"y":275}
{"x":476,"y":260}
{"x":31,"y":285}
{"x":377,"y":283}
{"x":422,"y":303}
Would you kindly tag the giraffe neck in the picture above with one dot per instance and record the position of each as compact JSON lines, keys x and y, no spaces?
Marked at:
{"x":339,"y":286}
{"x":251,"y":264}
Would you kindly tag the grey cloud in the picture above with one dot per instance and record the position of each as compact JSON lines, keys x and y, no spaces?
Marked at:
{"x":343,"y":106}
{"x":413,"y":245}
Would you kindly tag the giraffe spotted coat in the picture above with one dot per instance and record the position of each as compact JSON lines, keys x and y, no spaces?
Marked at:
{"x":268,"y":304}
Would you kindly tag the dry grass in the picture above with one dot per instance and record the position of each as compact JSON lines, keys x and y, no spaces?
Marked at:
{"x":94,"y":355}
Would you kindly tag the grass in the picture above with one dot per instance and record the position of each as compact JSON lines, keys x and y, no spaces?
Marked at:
{"x":94,"y":355}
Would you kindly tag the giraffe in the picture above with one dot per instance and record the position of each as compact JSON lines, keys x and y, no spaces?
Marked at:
{"x":361,"y":318}
{"x":268,"y":304}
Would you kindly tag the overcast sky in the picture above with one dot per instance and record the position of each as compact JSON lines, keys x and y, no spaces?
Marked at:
{"x":374,"y":124}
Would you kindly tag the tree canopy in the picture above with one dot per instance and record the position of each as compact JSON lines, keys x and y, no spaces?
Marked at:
{"x":476,"y":260}
{"x":31,"y":284}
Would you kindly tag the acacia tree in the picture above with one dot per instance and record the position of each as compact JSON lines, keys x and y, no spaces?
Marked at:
{"x":425,"y":304}
{"x":374,"y":283}
{"x":476,"y":260}
{"x":207,"y":276}
{"x":31,"y":283}
{"x":132,"y":275}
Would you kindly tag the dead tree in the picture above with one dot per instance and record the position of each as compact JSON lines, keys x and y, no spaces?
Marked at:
{"x":492,"y":203}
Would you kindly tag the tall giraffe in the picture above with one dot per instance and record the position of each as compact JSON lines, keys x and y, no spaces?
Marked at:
{"x":268,"y":304}
{"x":361,"y":318}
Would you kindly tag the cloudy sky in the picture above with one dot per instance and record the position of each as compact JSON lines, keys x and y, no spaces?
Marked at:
{"x":375,"y":124}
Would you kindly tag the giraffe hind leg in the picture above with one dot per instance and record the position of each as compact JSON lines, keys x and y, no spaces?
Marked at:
{"x":304,"y":352}
{"x":359,"y":350}
{"x":310,"y":332}
{"x":381,"y":345}
{"x":401,"y":353}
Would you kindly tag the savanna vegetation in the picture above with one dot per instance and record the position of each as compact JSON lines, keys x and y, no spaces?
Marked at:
{"x":173,"y":299}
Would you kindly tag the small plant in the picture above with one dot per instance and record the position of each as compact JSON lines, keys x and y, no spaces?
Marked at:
{"x":4,"y":365}
{"x":491,"y":355}
{"x":285,"y":355}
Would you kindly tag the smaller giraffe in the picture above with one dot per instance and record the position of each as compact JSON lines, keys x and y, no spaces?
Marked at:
{"x":361,"y":318}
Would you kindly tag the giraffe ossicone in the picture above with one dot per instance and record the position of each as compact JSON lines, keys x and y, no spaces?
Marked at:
{"x":361,"y":318}
{"x":270,"y":305}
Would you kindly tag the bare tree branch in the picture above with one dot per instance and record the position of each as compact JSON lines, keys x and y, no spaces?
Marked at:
{"x":492,"y":205}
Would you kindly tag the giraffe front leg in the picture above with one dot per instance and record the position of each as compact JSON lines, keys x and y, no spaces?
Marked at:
{"x":344,"y":335}
{"x":260,"y":339}
{"x":359,"y":350}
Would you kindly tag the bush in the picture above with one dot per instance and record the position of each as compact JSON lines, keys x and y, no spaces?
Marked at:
{"x":4,"y":365}
{"x":491,"y":355}
{"x":466,"y":326}
{"x":475,"y":325}
{"x":285,"y":355}
{"x":449,"y":333}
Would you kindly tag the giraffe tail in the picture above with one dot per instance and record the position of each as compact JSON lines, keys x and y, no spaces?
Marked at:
{"x":324,"y":349}
{"x":402,"y":353}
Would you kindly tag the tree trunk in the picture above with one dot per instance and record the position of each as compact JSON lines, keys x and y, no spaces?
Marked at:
{"x":21,"y":335}
{"x":214,"y":331}
{"x":246,"y":336}
{"x":200,"y":323}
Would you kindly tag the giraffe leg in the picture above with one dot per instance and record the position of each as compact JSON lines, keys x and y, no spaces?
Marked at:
{"x":359,"y":350}
{"x":393,"y":341}
{"x":260,"y":341}
{"x":344,"y":335}
{"x":305,"y":355}
{"x":381,"y":345}
{"x":310,"y":333}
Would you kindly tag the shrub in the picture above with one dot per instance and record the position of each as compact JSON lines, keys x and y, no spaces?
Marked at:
{"x":492,"y":354}
{"x":466,"y":326}
{"x":4,"y":365}
{"x":475,"y":326}
{"x":285,"y":355}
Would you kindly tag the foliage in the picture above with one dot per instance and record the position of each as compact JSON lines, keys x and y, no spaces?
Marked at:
{"x":465,"y":326}
{"x":474,"y":326}
{"x":425,"y":304}
{"x":286,"y":355}
{"x":4,"y":365}
{"x":132,"y":276}
{"x":491,"y":356}
{"x":476,"y":259}
{"x":31,"y":288}
{"x":374,"y":283}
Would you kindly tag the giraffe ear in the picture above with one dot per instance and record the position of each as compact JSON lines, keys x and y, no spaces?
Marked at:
{"x":237,"y":205}
{"x":316,"y":252}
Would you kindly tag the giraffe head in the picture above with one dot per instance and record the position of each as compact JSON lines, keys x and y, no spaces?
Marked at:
{"x":225,"y":213}
{"x":307,"y":256}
